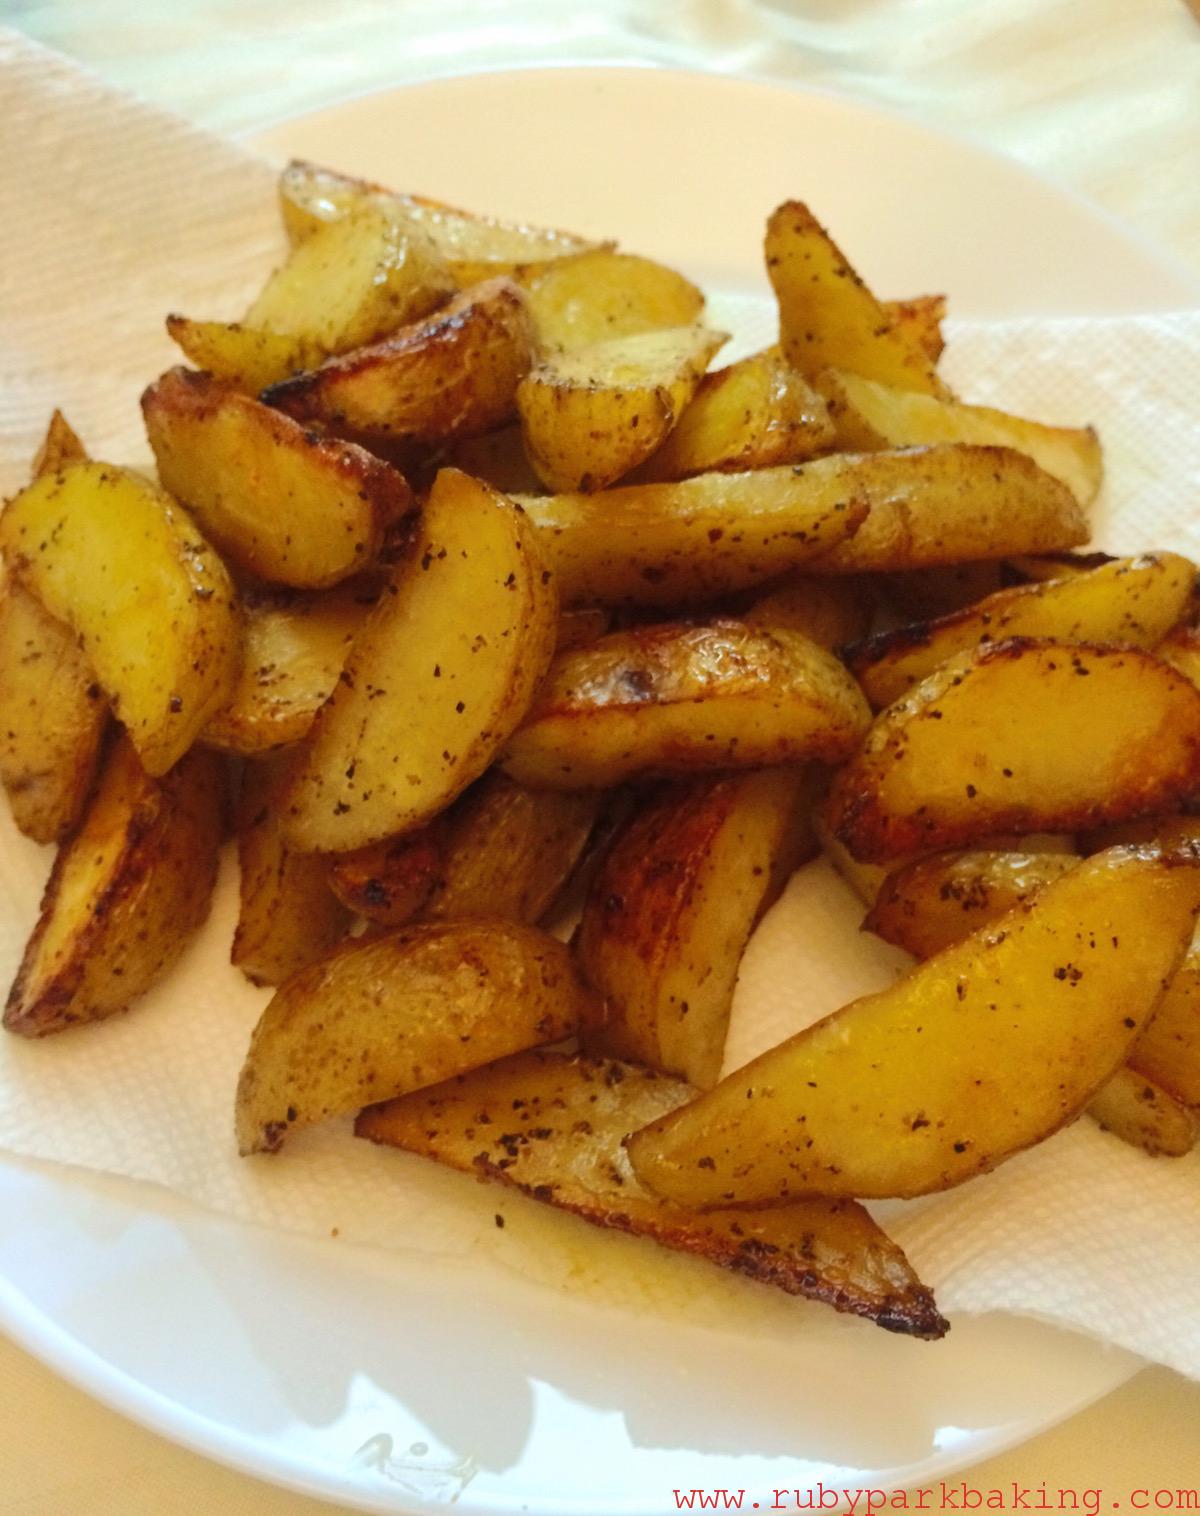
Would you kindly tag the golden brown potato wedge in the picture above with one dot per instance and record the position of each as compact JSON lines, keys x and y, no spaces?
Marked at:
{"x":294,"y":645}
{"x":288,"y":917}
{"x":453,"y":375}
{"x":918,"y":321}
{"x":596,"y":296}
{"x":500,"y":850}
{"x":948,"y":503}
{"x":475,"y":247}
{"x":60,"y":446}
{"x":125,"y":894}
{"x":551,"y":1125}
{"x":757,"y":413}
{"x":377,"y":1019}
{"x":245,"y":357}
{"x":439,"y":677}
{"x":867,"y":415}
{"x":125,"y":567}
{"x":828,"y":318}
{"x":1021,"y":736}
{"x":671,"y":909}
{"x":1139,"y":1112}
{"x":671,"y":544}
{"x":354,"y":281}
{"x":1131,"y":601}
{"x":1168,"y":1051}
{"x":830,"y":611}
{"x":677,"y":698}
{"x":978,"y":1053}
{"x":280,"y":502}
{"x":934,"y":902}
{"x":54,"y":718}
{"x":591,"y":415}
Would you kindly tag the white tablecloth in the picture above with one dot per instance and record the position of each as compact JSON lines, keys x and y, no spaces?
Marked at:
{"x":1101,"y":95}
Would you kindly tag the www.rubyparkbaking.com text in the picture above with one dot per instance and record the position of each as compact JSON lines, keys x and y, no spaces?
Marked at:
{"x":939,"y":1497}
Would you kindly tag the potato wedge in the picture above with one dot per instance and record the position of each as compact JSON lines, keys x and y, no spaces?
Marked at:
{"x":1021,"y":736}
{"x":1136,"y":1110}
{"x":474,"y":247}
{"x":54,"y":718}
{"x":948,"y":503}
{"x":1131,"y":601}
{"x":288,"y":917}
{"x":444,"y":669}
{"x":830,"y":611}
{"x":671,"y":909}
{"x":354,"y":281}
{"x":595,"y":296}
{"x":828,"y":318}
{"x":377,"y":1019}
{"x":551,"y":1125}
{"x":246,"y":358}
{"x":976,"y":1054}
{"x":282,"y":503}
{"x":677,"y":698}
{"x":593,"y":414}
{"x":672,"y":544}
{"x":60,"y":446}
{"x":294,"y":644}
{"x":757,"y":413}
{"x":1181,"y":649}
{"x":867,"y":416}
{"x":1168,"y":1051}
{"x":918,"y":321}
{"x":453,"y":375}
{"x":125,"y":567}
{"x":125,"y":894}
{"x":935,"y":902}
{"x":501,"y":850}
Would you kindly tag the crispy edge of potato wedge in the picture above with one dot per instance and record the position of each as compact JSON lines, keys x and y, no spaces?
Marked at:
{"x":121,"y":563}
{"x":1031,"y":736}
{"x":918,"y":321}
{"x":245,"y":357}
{"x":377,"y":1019}
{"x":287,"y":915}
{"x":673,"y":904}
{"x":389,"y":882}
{"x":464,"y":633}
{"x":550,"y":1125}
{"x":281,"y":502}
{"x":926,"y":1084}
{"x":453,"y":375}
{"x":679,"y":698}
{"x":125,"y":893}
{"x":59,"y":447}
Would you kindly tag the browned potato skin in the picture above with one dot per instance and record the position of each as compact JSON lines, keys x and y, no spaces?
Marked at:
{"x":380,"y":1018}
{"x":918,"y":321}
{"x":389,"y":882}
{"x":1168,"y":1051}
{"x":1131,"y":602}
{"x":948,"y":503}
{"x":1021,"y":743}
{"x":933,"y":902}
{"x":287,"y":915}
{"x":1139,"y":1112}
{"x":125,"y":894}
{"x":671,"y":909}
{"x":114,"y":557}
{"x":453,"y":375}
{"x":828,"y":318}
{"x":60,"y":446}
{"x":933,"y":1081}
{"x":678,"y":698}
{"x":294,"y":645}
{"x":551,"y":1126}
{"x":756,"y":413}
{"x":461,"y":639}
{"x":284,"y":504}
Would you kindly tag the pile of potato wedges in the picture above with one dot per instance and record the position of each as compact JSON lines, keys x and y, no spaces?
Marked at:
{"x":475,"y":600}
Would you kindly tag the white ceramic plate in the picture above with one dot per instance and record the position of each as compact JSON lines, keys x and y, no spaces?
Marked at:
{"x":361,"y":1375}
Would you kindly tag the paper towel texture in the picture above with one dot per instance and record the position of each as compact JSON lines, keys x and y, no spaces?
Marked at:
{"x":125,"y":214}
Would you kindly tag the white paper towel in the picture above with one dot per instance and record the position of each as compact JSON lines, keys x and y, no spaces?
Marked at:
{"x":118,"y":214}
